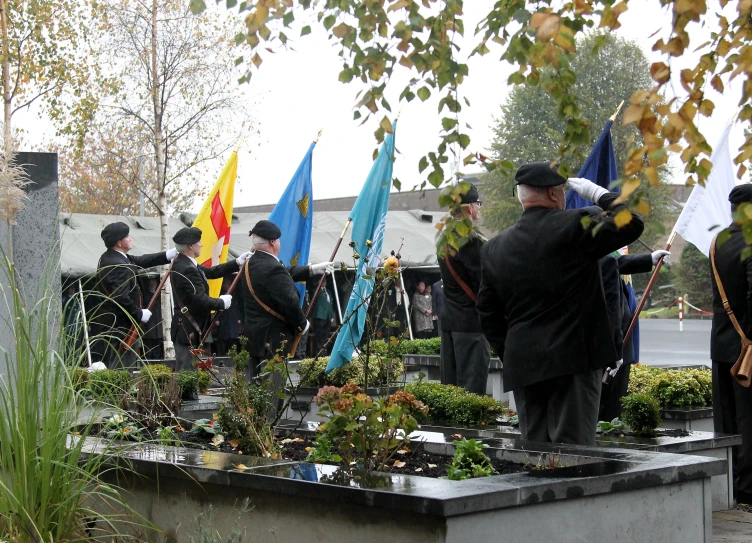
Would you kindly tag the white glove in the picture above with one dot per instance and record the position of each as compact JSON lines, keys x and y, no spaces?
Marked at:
{"x":323,"y":267}
{"x":242,"y":258}
{"x":97,"y":366}
{"x":171,"y":253}
{"x":226,"y":299}
{"x":613,"y":372}
{"x":656,"y":255}
{"x":586,"y":188}
{"x":307,"y":326}
{"x":145,"y":315}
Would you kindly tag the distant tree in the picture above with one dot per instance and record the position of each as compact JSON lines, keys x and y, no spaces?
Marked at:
{"x":609,"y":69}
{"x":693,"y":277}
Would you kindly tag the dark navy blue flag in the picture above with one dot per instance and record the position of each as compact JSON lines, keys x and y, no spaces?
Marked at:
{"x":600,"y":168}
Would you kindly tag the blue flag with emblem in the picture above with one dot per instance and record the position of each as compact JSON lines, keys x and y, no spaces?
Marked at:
{"x":294,"y":216}
{"x":600,"y":168}
{"x":369,"y":221}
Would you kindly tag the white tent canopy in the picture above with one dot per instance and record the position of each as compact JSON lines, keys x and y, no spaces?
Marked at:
{"x":415,"y":231}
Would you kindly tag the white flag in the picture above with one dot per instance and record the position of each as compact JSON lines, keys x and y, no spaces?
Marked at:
{"x":707,"y":210}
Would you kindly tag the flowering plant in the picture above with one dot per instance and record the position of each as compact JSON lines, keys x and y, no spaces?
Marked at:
{"x":366,"y":431}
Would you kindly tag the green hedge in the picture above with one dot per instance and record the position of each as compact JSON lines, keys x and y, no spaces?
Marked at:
{"x":108,"y":384}
{"x":673,"y":388}
{"x":414,"y":346}
{"x":454,"y":405}
{"x":312,"y":372}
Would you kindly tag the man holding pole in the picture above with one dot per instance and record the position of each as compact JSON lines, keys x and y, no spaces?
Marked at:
{"x":732,"y":402}
{"x":192,"y":303}
{"x":272,"y":312}
{"x":117,"y":273}
{"x":542,"y":307}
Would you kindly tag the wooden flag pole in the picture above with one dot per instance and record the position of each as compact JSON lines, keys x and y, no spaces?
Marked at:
{"x":216,"y":313}
{"x":311,"y":305}
{"x":130,"y":339}
{"x":648,"y":288}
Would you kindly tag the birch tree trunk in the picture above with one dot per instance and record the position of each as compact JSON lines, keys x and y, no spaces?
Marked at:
{"x":159,"y":158}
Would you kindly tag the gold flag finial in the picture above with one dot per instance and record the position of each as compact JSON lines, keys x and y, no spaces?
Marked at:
{"x":618,"y":109}
{"x":240,"y":143}
{"x":316,"y":139}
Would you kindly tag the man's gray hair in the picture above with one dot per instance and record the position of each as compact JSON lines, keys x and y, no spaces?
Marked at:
{"x":526,"y":192}
{"x":258,"y":242}
{"x":181,"y":247}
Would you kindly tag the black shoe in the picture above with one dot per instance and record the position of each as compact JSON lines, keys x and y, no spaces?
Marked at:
{"x":743,"y":497}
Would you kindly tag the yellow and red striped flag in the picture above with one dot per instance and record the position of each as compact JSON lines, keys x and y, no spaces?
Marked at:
{"x":215,"y":219}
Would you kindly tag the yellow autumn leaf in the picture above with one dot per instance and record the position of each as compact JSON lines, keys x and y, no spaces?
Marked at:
{"x":418,"y":469}
{"x":241,"y":467}
{"x":432,"y":465}
{"x":308,"y":449}
{"x":622,"y":218}
{"x":398,"y":464}
{"x":642,"y":207}
{"x":632,"y":114}
{"x":233,"y":443}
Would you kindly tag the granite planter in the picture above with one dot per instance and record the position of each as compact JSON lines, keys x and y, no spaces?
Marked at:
{"x":631,"y":495}
{"x":688,"y":418}
{"x":303,"y":408}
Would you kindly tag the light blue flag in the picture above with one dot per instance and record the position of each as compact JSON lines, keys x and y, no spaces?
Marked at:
{"x":369,"y":221}
{"x":294,"y":216}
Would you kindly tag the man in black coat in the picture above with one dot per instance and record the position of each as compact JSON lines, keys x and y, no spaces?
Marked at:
{"x":192,"y":304}
{"x":620,"y":315}
{"x":465,"y":354}
{"x":123,"y":301}
{"x":542,"y":306}
{"x":732,"y":403}
{"x":272,"y":312}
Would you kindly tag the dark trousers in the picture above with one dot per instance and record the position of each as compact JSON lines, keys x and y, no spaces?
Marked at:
{"x":464,"y":360}
{"x":732,"y":414}
{"x":560,"y":410}
{"x":424,"y":334}
{"x":153,"y":348}
{"x":612,"y":393}
{"x":183,"y":357}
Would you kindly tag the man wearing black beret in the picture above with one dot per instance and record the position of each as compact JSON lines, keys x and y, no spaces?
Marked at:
{"x":192,"y":303}
{"x":542,"y":306}
{"x":272,"y":312}
{"x":464,"y":351}
{"x":117,"y":273}
{"x":732,"y":403}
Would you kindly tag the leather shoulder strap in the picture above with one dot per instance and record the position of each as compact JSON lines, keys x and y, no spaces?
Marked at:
{"x":253,"y":293}
{"x":722,"y":292}
{"x":184,"y":311}
{"x":460,"y":282}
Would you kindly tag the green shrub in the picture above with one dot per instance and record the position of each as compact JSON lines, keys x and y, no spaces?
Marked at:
{"x":313,"y":372}
{"x":454,"y":405}
{"x":642,"y":379}
{"x":204,"y":381}
{"x":159,"y":373}
{"x":80,"y":378}
{"x":108,"y":385}
{"x":679,"y":388}
{"x":188,"y":383}
{"x":469,"y":461}
{"x":642,"y":414}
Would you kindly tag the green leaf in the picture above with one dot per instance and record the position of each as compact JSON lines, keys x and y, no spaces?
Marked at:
{"x":397,"y":184}
{"x":197,"y":6}
{"x":231,"y":3}
{"x":305,"y":30}
{"x":287,"y":19}
{"x":424,"y":93}
{"x":329,"y":21}
{"x":423,"y":164}
{"x":448,"y":123}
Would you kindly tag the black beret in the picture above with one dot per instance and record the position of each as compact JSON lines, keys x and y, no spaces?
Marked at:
{"x":471,"y":196}
{"x":539,"y":174}
{"x":187,"y":236}
{"x":267,"y":230}
{"x":114,"y":232}
{"x":740,"y":194}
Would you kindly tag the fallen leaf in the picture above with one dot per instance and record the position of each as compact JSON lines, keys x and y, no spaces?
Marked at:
{"x":217,"y":440}
{"x":241,"y":467}
{"x":418,"y":469}
{"x":457,"y":436}
{"x":291,"y":440}
{"x":233,"y":443}
{"x":353,"y":463}
{"x":402,"y":451}
{"x":398,"y":464}
{"x":432,"y":465}
{"x":309,"y":449}
{"x":276,"y":456}
{"x":215,"y":416}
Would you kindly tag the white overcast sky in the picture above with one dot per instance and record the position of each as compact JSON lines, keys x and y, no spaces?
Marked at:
{"x":296,"y":93}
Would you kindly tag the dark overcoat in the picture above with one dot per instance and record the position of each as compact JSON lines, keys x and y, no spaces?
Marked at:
{"x":190,"y":290}
{"x":274,"y":284}
{"x":458,"y":312}
{"x":541,"y":300}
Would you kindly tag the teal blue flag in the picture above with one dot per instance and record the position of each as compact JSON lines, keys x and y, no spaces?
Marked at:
{"x":369,"y":221}
{"x":294,"y":216}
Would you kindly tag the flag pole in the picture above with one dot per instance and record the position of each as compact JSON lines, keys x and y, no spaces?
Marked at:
{"x":132,"y":336}
{"x":216,"y":313}
{"x":321,"y":284}
{"x":318,"y":136}
{"x":84,"y":323}
{"x":618,"y":109}
{"x":648,"y":288}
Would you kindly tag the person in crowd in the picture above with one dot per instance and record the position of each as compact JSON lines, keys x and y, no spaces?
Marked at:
{"x":422,"y":321}
{"x":322,"y":318}
{"x":190,"y":290}
{"x":153,"y":334}
{"x":437,"y":303}
{"x":230,"y":322}
{"x":465,"y":354}
{"x":117,"y":280}
{"x":272,"y":312}
{"x":613,"y":268}
{"x":542,"y":306}
{"x":732,"y":403}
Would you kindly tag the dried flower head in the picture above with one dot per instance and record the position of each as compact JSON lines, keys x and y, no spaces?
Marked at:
{"x":351,"y":388}
{"x":343,"y":404}
{"x":327,"y":394}
{"x":13,"y":179}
